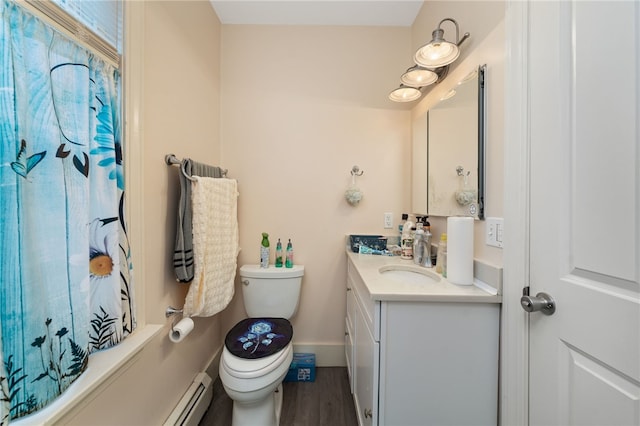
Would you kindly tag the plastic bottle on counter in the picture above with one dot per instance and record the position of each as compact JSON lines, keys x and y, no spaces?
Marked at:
{"x":406,"y":241}
{"x":279,"y":262}
{"x":264,"y":251}
{"x":426,"y":260}
{"x":441,"y":260}
{"x":418,"y":244}
{"x":405,"y":216}
{"x":289,"y":262}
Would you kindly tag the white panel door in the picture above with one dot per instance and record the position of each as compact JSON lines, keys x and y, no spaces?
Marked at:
{"x":585,"y":212}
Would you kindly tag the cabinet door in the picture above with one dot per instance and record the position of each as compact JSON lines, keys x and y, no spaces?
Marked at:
{"x":351,"y":304}
{"x":366,"y":372}
{"x":350,"y":332}
{"x":349,"y":352}
{"x":439,"y":364}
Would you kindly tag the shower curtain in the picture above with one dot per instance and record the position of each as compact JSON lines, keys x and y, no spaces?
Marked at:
{"x":66,"y":284}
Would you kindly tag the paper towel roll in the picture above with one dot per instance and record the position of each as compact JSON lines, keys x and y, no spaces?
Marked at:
{"x":460,"y":250}
{"x":181,"y":330}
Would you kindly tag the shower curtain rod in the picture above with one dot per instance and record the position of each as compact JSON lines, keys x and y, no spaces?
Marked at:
{"x":172,"y":160}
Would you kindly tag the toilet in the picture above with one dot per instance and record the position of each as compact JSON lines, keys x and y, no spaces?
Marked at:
{"x":258,"y":350}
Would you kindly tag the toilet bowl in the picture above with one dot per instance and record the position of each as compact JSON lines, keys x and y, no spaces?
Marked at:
{"x":258,"y":350}
{"x":256,"y":394}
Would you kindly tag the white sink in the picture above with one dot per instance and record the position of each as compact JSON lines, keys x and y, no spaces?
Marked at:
{"x":408,"y":274}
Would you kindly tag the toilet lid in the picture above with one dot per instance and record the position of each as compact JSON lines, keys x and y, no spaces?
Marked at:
{"x":254,"y":338}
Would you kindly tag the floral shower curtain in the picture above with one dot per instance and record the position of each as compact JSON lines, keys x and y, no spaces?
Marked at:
{"x":65,"y":272}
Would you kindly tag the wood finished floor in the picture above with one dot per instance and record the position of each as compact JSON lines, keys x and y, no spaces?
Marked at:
{"x":325,"y":402}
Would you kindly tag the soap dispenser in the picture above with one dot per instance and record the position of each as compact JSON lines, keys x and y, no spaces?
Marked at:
{"x":427,"y":225}
{"x":279,"y":254}
{"x":426,"y":239}
{"x":422,"y":247}
{"x":406,"y":241}
{"x":289,"y":261}
{"x":418,"y":245}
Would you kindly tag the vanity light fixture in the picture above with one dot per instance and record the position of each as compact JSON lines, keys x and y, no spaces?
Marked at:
{"x":432,"y":65}
{"x":418,"y":76}
{"x":440,"y":52}
{"x":450,"y":94}
{"x":472,"y":75}
{"x":405,"y":94}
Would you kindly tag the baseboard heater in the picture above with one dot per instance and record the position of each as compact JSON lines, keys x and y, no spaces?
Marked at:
{"x":193,"y":404}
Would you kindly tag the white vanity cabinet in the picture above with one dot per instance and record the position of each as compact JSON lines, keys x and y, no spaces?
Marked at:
{"x":415,"y":361}
{"x":362,"y":351}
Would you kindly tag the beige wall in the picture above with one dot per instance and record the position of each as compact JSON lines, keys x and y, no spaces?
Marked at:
{"x":300,"y":107}
{"x":181,"y":115}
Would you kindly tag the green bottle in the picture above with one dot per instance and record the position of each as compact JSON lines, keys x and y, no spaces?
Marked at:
{"x":289,"y":261}
{"x":264,"y":251}
{"x":278,"y":254}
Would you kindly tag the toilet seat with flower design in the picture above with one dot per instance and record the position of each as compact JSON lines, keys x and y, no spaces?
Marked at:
{"x":254,"y":338}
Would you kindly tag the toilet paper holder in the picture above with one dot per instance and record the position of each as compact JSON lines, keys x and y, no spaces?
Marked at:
{"x":173,"y":312}
{"x":179,"y":329}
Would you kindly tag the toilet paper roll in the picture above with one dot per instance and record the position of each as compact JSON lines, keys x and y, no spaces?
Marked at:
{"x":460,"y":250}
{"x":181,"y":330}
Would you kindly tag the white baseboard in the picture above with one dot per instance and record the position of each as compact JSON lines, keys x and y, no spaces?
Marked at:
{"x":327,"y":355}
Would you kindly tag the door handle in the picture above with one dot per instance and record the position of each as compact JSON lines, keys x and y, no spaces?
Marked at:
{"x":542,"y":302}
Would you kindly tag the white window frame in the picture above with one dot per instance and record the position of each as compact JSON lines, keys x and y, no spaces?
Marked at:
{"x":57,"y":17}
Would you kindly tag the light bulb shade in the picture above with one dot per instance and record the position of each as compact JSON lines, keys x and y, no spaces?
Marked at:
{"x":450,"y":94}
{"x":436,"y":54}
{"x":405,"y":94}
{"x":418,"y":77}
{"x":469,"y":77}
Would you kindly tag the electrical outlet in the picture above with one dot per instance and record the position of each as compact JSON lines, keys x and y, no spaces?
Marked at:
{"x":495,"y":231}
{"x":388,"y":221}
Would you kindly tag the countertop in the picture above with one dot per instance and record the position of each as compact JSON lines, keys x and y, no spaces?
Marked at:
{"x":385,"y":289}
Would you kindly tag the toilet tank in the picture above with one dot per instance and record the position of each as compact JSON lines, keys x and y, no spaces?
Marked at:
{"x":271,"y":292}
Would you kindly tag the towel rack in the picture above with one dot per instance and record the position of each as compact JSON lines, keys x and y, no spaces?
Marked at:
{"x":172,"y":160}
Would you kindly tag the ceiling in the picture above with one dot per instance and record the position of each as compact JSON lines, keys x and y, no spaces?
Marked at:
{"x":318,"y":12}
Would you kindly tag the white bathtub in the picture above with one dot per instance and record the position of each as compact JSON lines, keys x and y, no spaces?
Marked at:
{"x":101,"y":366}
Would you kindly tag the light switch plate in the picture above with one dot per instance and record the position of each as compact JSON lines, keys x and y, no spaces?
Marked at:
{"x":495,"y":231}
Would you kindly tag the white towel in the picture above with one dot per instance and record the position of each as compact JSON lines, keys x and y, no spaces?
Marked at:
{"x":215,"y":245}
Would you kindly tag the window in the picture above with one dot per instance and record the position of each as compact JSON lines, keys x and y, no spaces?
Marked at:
{"x":97,"y":24}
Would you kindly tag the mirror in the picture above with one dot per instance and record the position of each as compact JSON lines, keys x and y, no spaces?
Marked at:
{"x":455,"y":184}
